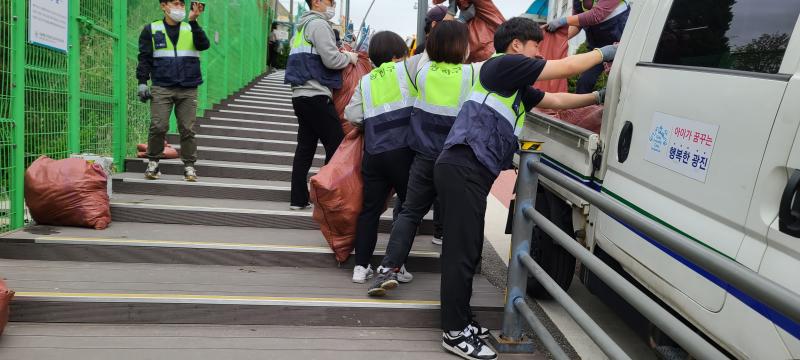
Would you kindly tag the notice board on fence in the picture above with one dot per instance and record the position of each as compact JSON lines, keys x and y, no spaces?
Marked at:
{"x":48,"y":23}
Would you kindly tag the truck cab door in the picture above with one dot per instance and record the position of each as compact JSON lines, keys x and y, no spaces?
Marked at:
{"x":695,"y":116}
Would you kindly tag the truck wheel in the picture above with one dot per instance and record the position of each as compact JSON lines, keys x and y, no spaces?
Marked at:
{"x":557,"y":262}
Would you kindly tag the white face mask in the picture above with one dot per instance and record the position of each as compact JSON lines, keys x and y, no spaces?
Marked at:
{"x":177,"y":14}
{"x":330,"y":12}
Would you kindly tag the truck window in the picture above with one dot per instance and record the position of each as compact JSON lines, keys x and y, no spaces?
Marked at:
{"x":746,"y":35}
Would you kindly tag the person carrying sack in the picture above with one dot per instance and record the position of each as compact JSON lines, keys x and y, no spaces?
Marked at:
{"x":381,"y":107}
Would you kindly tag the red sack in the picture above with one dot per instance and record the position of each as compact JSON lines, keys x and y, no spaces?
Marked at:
{"x":337,"y":194}
{"x":69,"y":192}
{"x":5,"y":300}
{"x":481,"y":28}
{"x":169,"y":151}
{"x":554,"y":47}
{"x":351,"y":75}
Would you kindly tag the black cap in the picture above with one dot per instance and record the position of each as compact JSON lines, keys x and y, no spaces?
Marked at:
{"x":437,"y":13}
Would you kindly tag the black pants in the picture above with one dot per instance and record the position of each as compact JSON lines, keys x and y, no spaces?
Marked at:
{"x":381,"y":173}
{"x":462,"y":193}
{"x":420,"y":196}
{"x":318,"y":122}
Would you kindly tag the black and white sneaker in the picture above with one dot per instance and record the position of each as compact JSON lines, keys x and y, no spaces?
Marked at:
{"x":467,"y":345}
{"x":479,"y":330}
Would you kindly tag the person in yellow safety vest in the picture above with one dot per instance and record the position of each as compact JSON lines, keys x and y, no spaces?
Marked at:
{"x":481,"y":143}
{"x":381,"y":107}
{"x":169,"y":57}
{"x":603,"y":21}
{"x":444,"y":84}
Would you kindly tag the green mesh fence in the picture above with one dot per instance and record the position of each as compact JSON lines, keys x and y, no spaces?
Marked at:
{"x":6,"y":118}
{"x":84,"y":100}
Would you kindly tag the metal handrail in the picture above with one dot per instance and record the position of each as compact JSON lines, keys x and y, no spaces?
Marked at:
{"x":755,"y":285}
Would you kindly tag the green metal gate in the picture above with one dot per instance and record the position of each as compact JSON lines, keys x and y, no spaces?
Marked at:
{"x":84,"y":100}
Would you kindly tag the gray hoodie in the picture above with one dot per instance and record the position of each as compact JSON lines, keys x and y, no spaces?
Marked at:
{"x":319,"y":33}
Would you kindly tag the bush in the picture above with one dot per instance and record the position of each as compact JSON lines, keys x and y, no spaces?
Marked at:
{"x":573,"y":81}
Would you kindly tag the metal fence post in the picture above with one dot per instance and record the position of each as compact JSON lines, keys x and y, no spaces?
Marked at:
{"x":226,"y":48}
{"x":120,"y":125}
{"x":527,"y":183}
{"x":17,"y":201}
{"x":74,"y":78}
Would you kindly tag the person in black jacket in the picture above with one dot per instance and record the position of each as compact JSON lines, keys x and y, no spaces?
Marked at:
{"x":169,"y":56}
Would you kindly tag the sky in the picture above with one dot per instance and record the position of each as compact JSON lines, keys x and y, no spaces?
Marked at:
{"x":400,"y":16}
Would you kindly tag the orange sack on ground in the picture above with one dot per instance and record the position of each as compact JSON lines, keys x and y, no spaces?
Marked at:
{"x":351,"y":75}
{"x":169,"y":151}
{"x":481,"y":28}
{"x":5,"y":300}
{"x":337,"y":194}
{"x":69,"y":192}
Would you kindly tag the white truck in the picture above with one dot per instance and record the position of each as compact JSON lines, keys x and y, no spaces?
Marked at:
{"x":699,"y":133}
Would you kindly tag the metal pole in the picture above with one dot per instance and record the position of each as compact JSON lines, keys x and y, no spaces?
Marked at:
{"x":422,"y":12}
{"x":540,"y":330}
{"x":74,"y":78}
{"x":120,"y":126}
{"x":527,"y":182}
{"x":17,"y":205}
{"x":778,"y":298}
{"x":346,"y":17}
{"x":598,"y":335}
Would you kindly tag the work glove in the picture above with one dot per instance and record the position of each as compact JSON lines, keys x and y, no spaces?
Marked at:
{"x":608,"y":51}
{"x":144,"y":93}
{"x":466,"y":14}
{"x":353,"y":57}
{"x":556,"y":24}
{"x":600,"y":96}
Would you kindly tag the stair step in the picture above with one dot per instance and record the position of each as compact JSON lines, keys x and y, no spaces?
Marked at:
{"x":265,"y":109}
{"x":32,"y":341}
{"x":116,"y":293}
{"x":209,"y":187}
{"x":285,"y":123}
{"x":225,"y":212}
{"x":252,"y":133}
{"x":275,"y":116}
{"x":127,"y":242}
{"x":250,"y":156}
{"x":220,"y":169}
{"x":266,"y":94}
{"x":233,"y":142}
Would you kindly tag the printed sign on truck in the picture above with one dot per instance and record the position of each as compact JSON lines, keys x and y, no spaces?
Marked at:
{"x":681,"y":145}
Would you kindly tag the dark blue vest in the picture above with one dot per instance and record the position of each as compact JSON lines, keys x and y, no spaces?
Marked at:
{"x":305,"y":64}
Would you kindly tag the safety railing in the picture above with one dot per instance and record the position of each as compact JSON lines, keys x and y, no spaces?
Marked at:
{"x":779,"y":299}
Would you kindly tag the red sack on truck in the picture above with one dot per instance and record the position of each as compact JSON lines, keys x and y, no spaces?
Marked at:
{"x":554,"y":46}
{"x":337,"y":194}
{"x":588,"y":117}
{"x":351,"y":75}
{"x":5,"y":300}
{"x":69,"y":192}
{"x":481,"y":28}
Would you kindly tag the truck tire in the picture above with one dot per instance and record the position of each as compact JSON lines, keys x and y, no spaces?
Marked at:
{"x":557,"y":262}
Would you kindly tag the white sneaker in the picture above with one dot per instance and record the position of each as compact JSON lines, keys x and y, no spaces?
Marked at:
{"x":189,"y":174}
{"x":361,"y":274}
{"x":152,"y":172}
{"x":297,"y":208}
{"x":437,"y":240}
{"x":404,"y":276}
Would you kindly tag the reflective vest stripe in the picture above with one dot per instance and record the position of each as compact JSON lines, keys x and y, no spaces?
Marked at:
{"x":502,"y":105}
